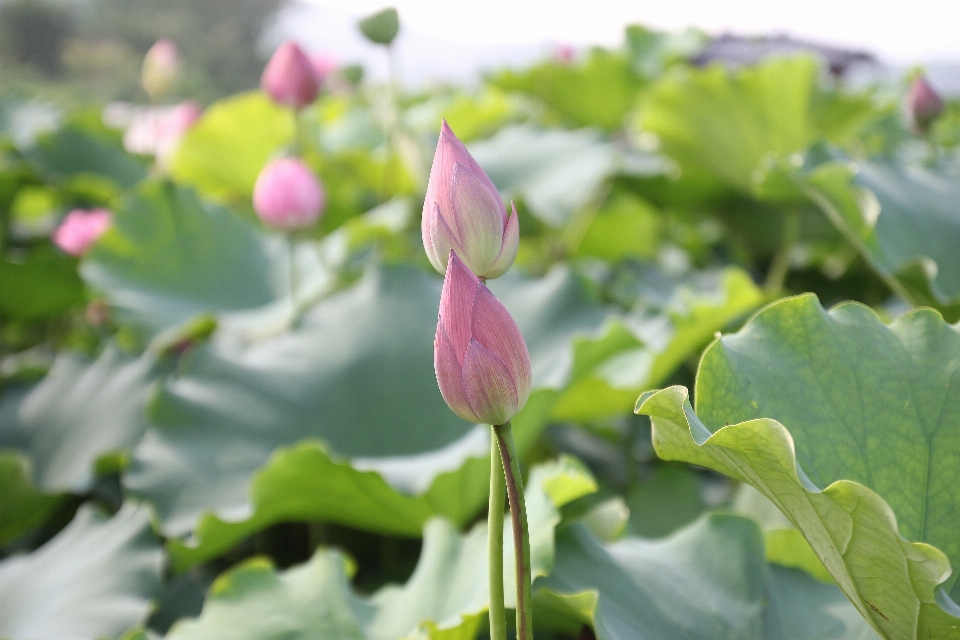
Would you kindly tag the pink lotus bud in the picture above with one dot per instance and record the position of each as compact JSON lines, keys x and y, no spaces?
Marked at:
{"x":161,"y":68}
{"x":463,"y":212}
{"x":289,"y":77}
{"x":923,"y":105}
{"x":287,"y":195}
{"x":481,"y":360}
{"x":80,"y":229}
{"x":323,"y":65}
{"x":157,"y":131}
{"x":564,"y":53}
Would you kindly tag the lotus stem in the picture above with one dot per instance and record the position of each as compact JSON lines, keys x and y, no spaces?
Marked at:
{"x":521,"y":534}
{"x":498,"y":496}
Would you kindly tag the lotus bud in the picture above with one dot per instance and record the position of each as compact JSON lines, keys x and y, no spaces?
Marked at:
{"x":324,"y":65}
{"x":463,"y":212}
{"x":923,"y":105}
{"x":287,"y":195}
{"x":289,"y":77}
{"x":80,"y":229}
{"x":161,"y":68}
{"x":481,"y":360}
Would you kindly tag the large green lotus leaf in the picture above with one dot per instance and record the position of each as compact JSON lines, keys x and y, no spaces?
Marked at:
{"x":356,"y":374}
{"x":727,"y":123}
{"x":872,"y":416}
{"x":709,"y":580}
{"x":905,"y":220}
{"x":597,"y":91}
{"x":76,"y":150}
{"x":80,"y":412}
{"x":446,"y":597}
{"x":169,"y":257}
{"x":40,"y":285}
{"x":555,"y":171}
{"x":223,"y":153}
{"x":22,"y":507}
{"x":94,"y":579}
{"x":641,"y":350}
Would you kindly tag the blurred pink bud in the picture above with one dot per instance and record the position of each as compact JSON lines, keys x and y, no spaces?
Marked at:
{"x":463,"y":212}
{"x":323,"y":65}
{"x":287,"y":195}
{"x":161,"y":68}
{"x":80,"y":229}
{"x":564,"y":53}
{"x":481,"y":360}
{"x":923,"y":105}
{"x":289,"y":77}
{"x":157,"y":131}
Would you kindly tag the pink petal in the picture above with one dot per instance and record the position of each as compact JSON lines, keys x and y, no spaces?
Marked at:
{"x":449,"y":376}
{"x":494,"y":328}
{"x":456,"y":303}
{"x":460,"y":154}
{"x":508,"y":248}
{"x":490,"y":388}
{"x":476,"y":213}
{"x":443,"y":240}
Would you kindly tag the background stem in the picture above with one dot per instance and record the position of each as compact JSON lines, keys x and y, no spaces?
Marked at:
{"x":498,"y":494}
{"x":521,"y":534}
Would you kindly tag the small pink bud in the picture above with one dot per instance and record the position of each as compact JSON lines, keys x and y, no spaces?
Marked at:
{"x":564,"y":53}
{"x":323,"y":65}
{"x":161,"y":68}
{"x":481,"y":360}
{"x":80,"y":229}
{"x":463,"y":212}
{"x":923,"y":105}
{"x":289,"y":77}
{"x":287,"y":195}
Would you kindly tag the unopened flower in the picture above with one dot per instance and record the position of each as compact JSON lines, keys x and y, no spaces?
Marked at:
{"x":287,"y":195}
{"x":289,"y":77}
{"x":463,"y":212}
{"x":161,"y":68}
{"x":481,"y":360}
{"x":923,"y":105}
{"x":80,"y":229}
{"x":323,"y":66}
{"x":156,"y":131}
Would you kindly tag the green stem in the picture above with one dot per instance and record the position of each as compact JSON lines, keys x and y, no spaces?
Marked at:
{"x":521,"y":533}
{"x":498,"y":495}
{"x":780,"y":266}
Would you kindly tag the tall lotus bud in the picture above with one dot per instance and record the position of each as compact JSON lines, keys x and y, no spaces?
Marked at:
{"x":289,"y":77}
{"x":80,"y":229}
{"x":463,"y":212}
{"x":287,"y":195}
{"x":161,"y":68}
{"x":923,"y":105}
{"x":481,"y":360}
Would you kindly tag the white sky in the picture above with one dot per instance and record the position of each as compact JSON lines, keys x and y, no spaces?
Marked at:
{"x":450,"y":39}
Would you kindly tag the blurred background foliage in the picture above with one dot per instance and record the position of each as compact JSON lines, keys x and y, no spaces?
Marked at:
{"x":198,"y":394}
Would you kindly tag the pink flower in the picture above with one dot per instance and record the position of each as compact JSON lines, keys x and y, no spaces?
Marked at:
{"x":923,"y":105}
{"x":157,"y":131}
{"x":481,"y":360}
{"x":80,"y":229}
{"x":287,"y":195}
{"x":289,"y":77}
{"x":564,"y":53}
{"x":463,"y":212}
{"x":161,"y":68}
{"x":323,"y":65}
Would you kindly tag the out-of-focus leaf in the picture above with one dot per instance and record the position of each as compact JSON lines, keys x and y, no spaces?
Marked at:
{"x":654,"y":51}
{"x":661,"y":504}
{"x":644,"y":348}
{"x":446,"y":597}
{"x":625,"y":227}
{"x":598,"y":91}
{"x":709,"y":580}
{"x":366,"y":389}
{"x":40,"y":285}
{"x":71,"y":151}
{"x":381,"y":27}
{"x":168,"y":257}
{"x":555,"y":172}
{"x":223,"y":153}
{"x":94,"y":579}
{"x":727,"y":124}
{"x":81,"y":411}
{"x":872,"y":416}
{"x":22,"y":507}
{"x":905,"y":220}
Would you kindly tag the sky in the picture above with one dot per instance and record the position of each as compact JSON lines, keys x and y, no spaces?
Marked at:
{"x":452,"y":39}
